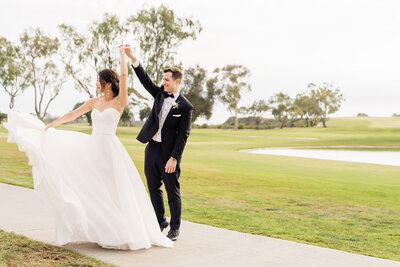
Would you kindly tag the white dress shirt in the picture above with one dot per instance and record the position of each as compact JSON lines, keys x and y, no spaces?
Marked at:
{"x":166,"y":107}
{"x":135,"y":64}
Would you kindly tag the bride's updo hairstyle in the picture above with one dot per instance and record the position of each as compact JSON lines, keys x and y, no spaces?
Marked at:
{"x":109,"y":76}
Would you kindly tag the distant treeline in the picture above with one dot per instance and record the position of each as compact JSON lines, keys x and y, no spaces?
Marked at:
{"x":305,"y":110}
{"x":43,"y":63}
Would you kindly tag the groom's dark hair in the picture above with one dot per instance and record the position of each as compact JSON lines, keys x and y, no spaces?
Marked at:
{"x":176,"y":72}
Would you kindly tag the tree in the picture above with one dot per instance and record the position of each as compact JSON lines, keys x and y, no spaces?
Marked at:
{"x":88,"y":115}
{"x":159,"y":32}
{"x":13,"y":75}
{"x":280,"y":104}
{"x":305,"y":108}
{"x":94,"y":51}
{"x":327,"y":99}
{"x":105,"y":36}
{"x":257,"y":109}
{"x":75,"y":60}
{"x":39,"y":50}
{"x":126,"y":116}
{"x":231,"y":85}
{"x":144,"y":113}
{"x":81,"y":55}
{"x":195,"y":84}
{"x":2,"y":116}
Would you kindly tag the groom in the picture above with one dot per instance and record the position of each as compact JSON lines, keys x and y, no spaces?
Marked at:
{"x":166,"y":131}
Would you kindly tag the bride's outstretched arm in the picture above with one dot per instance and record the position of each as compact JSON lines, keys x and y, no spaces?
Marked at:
{"x":70,"y":116}
{"x":123,"y":81}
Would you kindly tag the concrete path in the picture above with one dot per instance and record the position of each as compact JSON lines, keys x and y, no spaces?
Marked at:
{"x":199,"y":245}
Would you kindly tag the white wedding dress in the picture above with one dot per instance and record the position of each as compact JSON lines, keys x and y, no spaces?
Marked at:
{"x":89,"y":182}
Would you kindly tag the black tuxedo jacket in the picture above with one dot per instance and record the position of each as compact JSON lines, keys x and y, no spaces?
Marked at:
{"x":176,"y":127}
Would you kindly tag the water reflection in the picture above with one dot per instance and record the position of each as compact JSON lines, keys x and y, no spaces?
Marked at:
{"x":375,"y":157}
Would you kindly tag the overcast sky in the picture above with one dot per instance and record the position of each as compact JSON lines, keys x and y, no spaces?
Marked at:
{"x":285,"y":44}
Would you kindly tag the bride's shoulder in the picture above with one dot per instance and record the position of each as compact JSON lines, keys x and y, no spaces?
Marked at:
{"x":92,"y":101}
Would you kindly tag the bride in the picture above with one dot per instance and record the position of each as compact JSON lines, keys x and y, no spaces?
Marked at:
{"x":90,"y":182}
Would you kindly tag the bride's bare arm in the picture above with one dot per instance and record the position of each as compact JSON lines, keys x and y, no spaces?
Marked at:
{"x":70,"y":116}
{"x":123,"y":81}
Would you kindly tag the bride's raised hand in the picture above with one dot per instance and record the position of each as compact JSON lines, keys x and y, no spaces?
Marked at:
{"x":121,"y":50}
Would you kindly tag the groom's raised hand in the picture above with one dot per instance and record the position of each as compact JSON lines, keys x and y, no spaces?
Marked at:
{"x":128,"y":52}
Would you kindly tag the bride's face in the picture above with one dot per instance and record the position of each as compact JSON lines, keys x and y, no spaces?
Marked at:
{"x":98,"y":85}
{"x":101,"y":88}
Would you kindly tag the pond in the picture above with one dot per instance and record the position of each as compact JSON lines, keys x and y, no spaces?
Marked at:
{"x":364,"y":156}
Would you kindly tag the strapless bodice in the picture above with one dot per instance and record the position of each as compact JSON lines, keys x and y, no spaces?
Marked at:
{"x":105,"y":122}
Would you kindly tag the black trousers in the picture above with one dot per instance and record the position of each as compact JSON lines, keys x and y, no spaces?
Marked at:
{"x":154,"y":168}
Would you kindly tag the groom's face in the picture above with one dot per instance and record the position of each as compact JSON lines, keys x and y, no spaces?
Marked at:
{"x":170,"y":85}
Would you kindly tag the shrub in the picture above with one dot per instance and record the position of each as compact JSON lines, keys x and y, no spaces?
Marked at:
{"x":299,"y":123}
{"x":2,"y":116}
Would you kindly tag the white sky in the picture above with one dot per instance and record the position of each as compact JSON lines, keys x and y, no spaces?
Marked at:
{"x":286,"y":45}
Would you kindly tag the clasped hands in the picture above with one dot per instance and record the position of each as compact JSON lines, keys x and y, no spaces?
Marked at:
{"x":127,"y":50}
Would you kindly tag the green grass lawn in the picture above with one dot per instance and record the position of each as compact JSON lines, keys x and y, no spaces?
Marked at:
{"x":341,"y":205}
{"x":17,"y":250}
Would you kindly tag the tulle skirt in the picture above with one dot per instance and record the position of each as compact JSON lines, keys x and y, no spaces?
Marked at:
{"x":90,"y":184}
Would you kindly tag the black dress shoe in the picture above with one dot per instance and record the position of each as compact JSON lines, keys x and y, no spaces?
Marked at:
{"x":163,"y":225}
{"x":173,"y":234}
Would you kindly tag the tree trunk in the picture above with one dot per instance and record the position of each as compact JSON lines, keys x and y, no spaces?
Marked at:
{"x":236,"y":124}
{"x":324,"y":117}
{"x":12,"y":101}
{"x":40,"y":117}
{"x":89,"y":117}
{"x":283,"y":121}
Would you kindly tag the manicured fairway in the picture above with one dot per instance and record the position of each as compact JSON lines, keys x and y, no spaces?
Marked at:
{"x":341,"y":205}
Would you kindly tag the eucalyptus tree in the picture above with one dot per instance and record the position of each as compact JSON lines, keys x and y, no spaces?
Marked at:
{"x":85,"y":54}
{"x":88,"y":115}
{"x":105,"y":36}
{"x":305,"y":108}
{"x":39,"y":51}
{"x":327,"y":99}
{"x":256,"y":110}
{"x":159,"y":32}
{"x":200,"y":90}
{"x":280,"y":104}
{"x":144,"y":113}
{"x":13,"y":75}
{"x":231,"y":84}
{"x":76,"y":63}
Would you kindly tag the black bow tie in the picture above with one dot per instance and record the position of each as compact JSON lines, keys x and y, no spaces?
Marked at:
{"x":168,"y":95}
